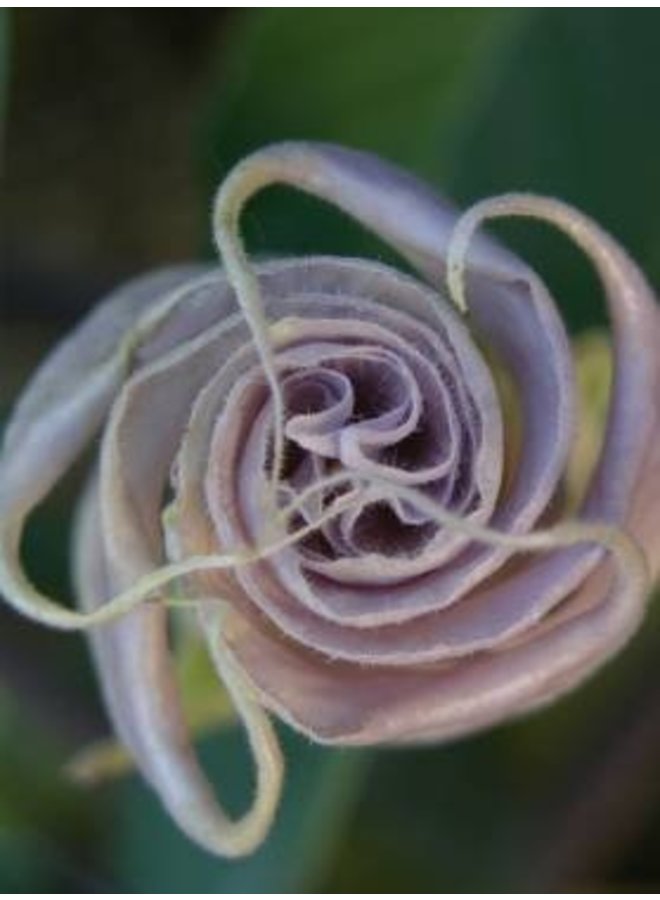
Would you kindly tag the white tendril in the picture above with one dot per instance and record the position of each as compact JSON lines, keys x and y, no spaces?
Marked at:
{"x":606,"y":255}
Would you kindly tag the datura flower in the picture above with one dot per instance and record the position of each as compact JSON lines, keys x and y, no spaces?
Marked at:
{"x":314,"y":456}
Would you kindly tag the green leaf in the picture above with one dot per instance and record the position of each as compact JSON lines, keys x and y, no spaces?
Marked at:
{"x":479,"y":101}
{"x":151,"y":855}
{"x":394,"y":81}
{"x":398,"y":82}
{"x":46,"y":829}
{"x":572,"y":114}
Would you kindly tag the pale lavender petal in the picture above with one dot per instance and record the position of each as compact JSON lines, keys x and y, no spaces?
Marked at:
{"x":345,"y":704}
{"x":59,"y":412}
{"x":421,"y":607}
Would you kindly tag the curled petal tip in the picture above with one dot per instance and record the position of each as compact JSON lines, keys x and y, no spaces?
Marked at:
{"x":346,"y":492}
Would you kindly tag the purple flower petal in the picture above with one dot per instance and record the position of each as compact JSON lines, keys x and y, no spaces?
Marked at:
{"x":321,"y":447}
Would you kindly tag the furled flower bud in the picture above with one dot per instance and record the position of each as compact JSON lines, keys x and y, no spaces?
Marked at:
{"x":315,"y":453}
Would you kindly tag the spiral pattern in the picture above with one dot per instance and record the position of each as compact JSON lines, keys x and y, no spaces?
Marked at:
{"x":337,"y":449}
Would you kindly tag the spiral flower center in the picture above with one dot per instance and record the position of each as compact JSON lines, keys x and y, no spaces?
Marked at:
{"x":391,"y":398}
{"x":362,"y":412}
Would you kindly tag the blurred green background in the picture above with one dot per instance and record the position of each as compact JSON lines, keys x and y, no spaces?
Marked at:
{"x":116,"y":126}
